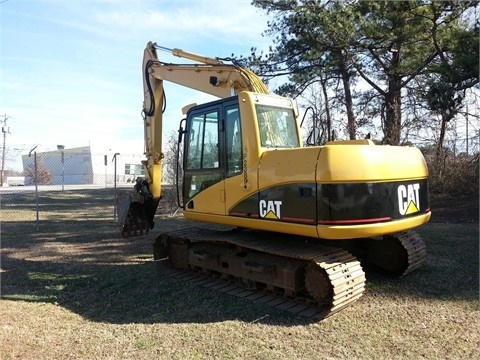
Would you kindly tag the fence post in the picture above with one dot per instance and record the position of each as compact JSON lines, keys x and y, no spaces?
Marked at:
{"x":36,"y":184}
{"x":105,"y":162}
{"x":115,"y":187}
{"x":35,"y":179}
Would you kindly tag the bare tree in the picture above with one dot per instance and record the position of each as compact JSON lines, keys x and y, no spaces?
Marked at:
{"x":43,"y":176}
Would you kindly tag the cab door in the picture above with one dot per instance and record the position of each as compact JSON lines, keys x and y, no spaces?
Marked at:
{"x":212,"y":155}
{"x":203,"y":171}
{"x":233,"y":155}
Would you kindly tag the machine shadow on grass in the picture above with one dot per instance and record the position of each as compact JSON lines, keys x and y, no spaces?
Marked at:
{"x":83,"y":264}
{"x":106,"y":285}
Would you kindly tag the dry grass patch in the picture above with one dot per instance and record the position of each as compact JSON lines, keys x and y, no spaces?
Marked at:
{"x":77,"y":290}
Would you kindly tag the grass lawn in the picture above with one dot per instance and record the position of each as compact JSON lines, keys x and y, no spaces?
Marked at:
{"x":76,"y":290}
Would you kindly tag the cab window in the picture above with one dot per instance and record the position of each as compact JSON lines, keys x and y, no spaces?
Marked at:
{"x":203,"y":152}
{"x":277,"y":127}
{"x":233,"y":141}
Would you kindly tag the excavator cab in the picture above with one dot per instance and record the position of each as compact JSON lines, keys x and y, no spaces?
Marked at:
{"x":223,"y":142}
{"x":213,"y":148}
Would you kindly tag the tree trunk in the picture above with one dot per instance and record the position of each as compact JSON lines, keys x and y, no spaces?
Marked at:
{"x":393,"y":113}
{"x":351,"y":126}
{"x":327,"y":109}
{"x":446,"y":117}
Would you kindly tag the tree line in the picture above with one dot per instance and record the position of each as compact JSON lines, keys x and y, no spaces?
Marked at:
{"x":406,"y":64}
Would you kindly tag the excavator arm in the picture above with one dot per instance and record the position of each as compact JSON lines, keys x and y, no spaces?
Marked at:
{"x":208,"y":75}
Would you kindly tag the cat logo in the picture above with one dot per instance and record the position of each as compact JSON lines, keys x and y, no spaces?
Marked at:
{"x":270,"y":209}
{"x":408,"y":199}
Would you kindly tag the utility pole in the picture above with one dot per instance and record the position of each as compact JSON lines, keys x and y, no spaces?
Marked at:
{"x":5,"y":130}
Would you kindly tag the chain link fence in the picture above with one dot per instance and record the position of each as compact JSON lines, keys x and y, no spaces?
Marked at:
{"x":66,"y":184}
{"x":50,"y":204}
{"x":70,"y":185}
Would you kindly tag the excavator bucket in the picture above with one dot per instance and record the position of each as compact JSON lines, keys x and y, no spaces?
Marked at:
{"x":136,"y":209}
{"x":124,"y":199}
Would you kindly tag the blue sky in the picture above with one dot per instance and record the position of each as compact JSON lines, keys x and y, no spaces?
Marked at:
{"x":71,"y":70}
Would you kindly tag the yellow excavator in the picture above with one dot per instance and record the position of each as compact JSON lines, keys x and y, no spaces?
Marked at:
{"x":304,"y":220}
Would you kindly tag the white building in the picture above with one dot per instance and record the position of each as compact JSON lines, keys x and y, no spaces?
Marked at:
{"x":82,"y":166}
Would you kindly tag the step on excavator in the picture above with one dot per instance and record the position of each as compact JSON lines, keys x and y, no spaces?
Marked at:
{"x":302,"y":221}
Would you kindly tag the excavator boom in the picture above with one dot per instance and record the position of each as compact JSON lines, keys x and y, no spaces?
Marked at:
{"x":207,"y":75}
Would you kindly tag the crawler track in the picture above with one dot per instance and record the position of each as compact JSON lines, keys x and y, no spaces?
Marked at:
{"x":287,"y":272}
{"x":415,"y":248}
{"x":396,"y":254}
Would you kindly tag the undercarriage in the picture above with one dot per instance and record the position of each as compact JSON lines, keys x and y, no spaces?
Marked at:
{"x":294,"y":269}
